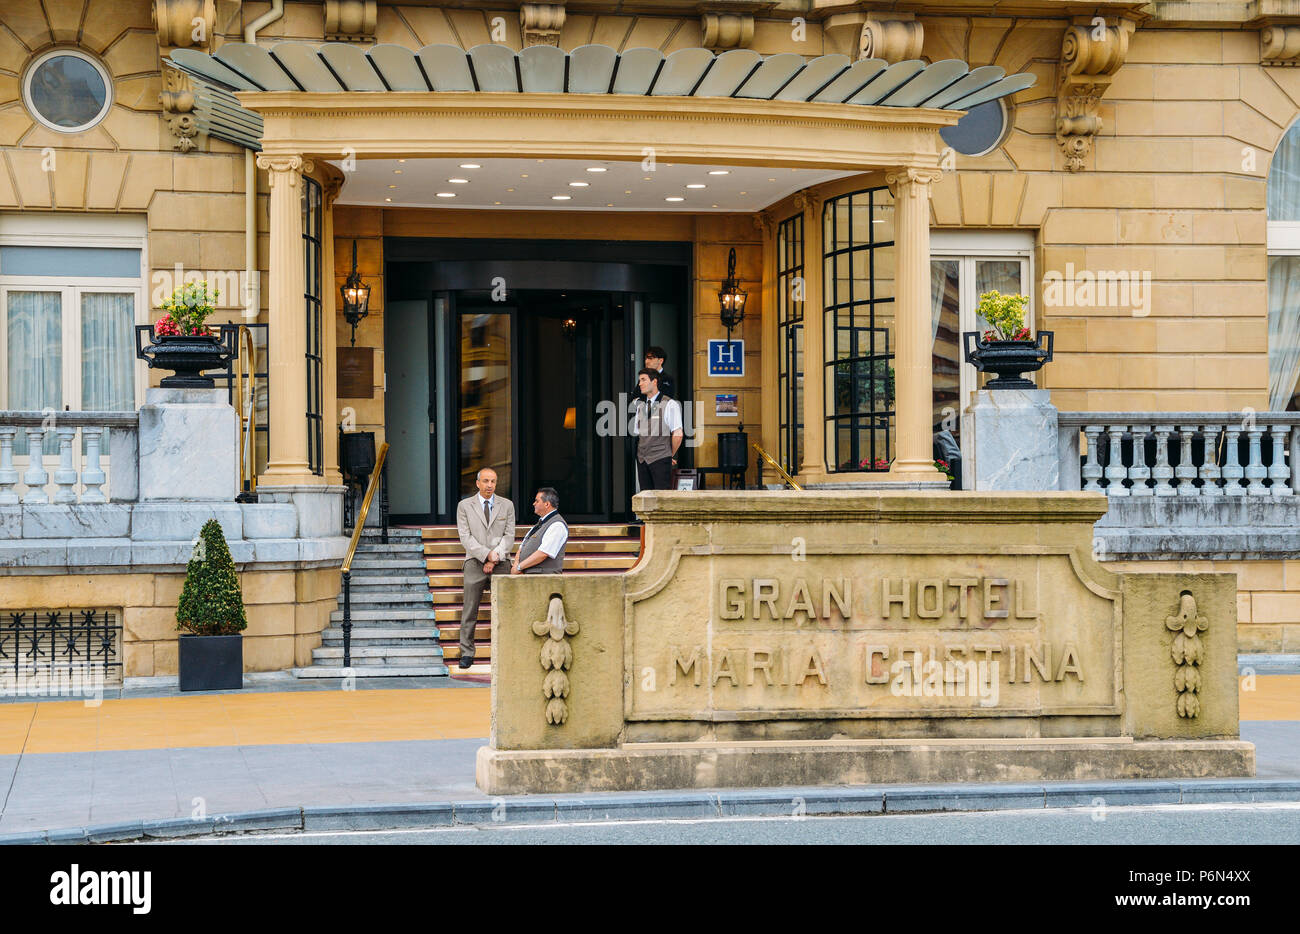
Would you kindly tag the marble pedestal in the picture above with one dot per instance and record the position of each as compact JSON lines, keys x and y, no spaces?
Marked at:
{"x":1015,"y":441}
{"x":187,"y":446}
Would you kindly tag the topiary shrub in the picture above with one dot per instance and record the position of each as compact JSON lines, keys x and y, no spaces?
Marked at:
{"x":211,"y":602}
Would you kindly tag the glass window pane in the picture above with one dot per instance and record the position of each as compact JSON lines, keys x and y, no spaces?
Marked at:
{"x":978,"y":131}
{"x":35,"y":357}
{"x":107,"y":351}
{"x":1002,"y":275}
{"x":1283,"y":331}
{"x":945,"y":330}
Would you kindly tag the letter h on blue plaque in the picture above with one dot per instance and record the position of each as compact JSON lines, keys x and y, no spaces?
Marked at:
{"x":726,"y":358}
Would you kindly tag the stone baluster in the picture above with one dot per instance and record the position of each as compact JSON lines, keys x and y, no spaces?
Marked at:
{"x":93,"y":476}
{"x":1232,"y":471}
{"x":1279,"y":473}
{"x":65,"y":477}
{"x":8,"y":476}
{"x":1255,"y":470}
{"x":1140,"y":473}
{"x":1091,"y":468}
{"x":35,"y":477}
{"x":1116,"y":472}
{"x":1295,"y":459}
{"x":1186,"y":470}
{"x":1210,"y":464}
{"x":1162,"y":473}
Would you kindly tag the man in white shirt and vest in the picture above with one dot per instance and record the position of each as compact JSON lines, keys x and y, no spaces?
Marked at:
{"x":485,"y":524}
{"x":542,"y":550}
{"x":659,"y":433}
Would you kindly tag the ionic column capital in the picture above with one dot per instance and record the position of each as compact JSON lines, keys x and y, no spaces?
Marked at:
{"x":910,"y":179}
{"x":286,"y":168}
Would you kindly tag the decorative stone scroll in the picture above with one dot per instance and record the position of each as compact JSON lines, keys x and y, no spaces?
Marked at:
{"x":1279,"y":45}
{"x":541,"y":23}
{"x":893,"y":40}
{"x":350,"y":20}
{"x":727,"y":30}
{"x":1090,"y":57}
{"x":184,"y":23}
{"x":177,"y":99}
{"x":1188,"y":653}
{"x":556,"y":658}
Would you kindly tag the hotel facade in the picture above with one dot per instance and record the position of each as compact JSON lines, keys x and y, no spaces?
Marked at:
{"x":536,"y":193}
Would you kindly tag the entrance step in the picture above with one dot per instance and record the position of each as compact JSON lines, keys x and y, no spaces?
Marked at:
{"x":394,"y":671}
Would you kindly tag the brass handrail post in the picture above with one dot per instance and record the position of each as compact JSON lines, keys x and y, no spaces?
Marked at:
{"x":245,"y":396}
{"x":352,"y":550}
{"x":784,"y":476}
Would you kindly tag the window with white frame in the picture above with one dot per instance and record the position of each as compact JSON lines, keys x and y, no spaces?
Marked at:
{"x":1284,"y":274}
{"x":71,"y":292}
{"x":963,"y":265}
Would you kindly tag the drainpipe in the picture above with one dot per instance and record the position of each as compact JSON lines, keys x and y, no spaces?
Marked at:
{"x":250,"y":169}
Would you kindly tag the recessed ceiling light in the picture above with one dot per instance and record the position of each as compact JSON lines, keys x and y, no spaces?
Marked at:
{"x":470,"y":165}
{"x":561,"y":198}
{"x":696,"y":185}
{"x":771,"y":179}
{"x":402,"y":161}
{"x":715,"y":205}
{"x":610,"y":205}
{"x":392,"y":186}
{"x":646,"y":179}
{"x":397,"y":171}
{"x":744,"y":192}
{"x":496,"y":202}
{"x":459,"y":181}
{"x":720,"y":172}
{"x":540,"y":161}
{"x":523,"y":176}
{"x":509,"y":189}
{"x":579,"y":184}
{"x":388,"y":199}
{"x":674,"y":198}
{"x":596,"y":168}
{"x":628,"y":192}
{"x":446,"y":194}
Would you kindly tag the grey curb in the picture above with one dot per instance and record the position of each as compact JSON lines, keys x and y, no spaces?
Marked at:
{"x":685,"y":805}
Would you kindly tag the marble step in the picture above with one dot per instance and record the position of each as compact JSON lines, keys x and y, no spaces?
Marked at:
{"x":370,"y":656}
{"x":439,"y":532}
{"x":385,"y":614}
{"x":371,"y":599}
{"x":573,"y":546}
{"x":381,"y":635}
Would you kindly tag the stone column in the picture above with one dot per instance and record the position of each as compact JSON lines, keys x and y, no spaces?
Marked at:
{"x":913,"y":356}
{"x":329,"y":331}
{"x":813,"y":468}
{"x":287,"y":338}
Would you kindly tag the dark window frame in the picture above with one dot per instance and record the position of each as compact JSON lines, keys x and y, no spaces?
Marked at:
{"x":790,"y":267}
{"x":312,"y":206}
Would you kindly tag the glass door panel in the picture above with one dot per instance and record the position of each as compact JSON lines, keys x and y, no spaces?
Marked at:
{"x":486,"y":409}
{"x":34,"y":357}
{"x":107,"y":351}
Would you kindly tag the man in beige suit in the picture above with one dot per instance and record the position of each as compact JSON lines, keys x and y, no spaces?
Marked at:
{"x":485,"y":523}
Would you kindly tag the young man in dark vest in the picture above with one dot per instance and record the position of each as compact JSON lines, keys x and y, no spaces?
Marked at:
{"x":542,"y":550}
{"x":658,"y":432}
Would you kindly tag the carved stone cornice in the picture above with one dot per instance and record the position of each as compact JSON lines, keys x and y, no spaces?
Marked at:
{"x":350,"y":20}
{"x":283,"y":168}
{"x":184,"y":24}
{"x":1090,"y":57}
{"x":541,"y":23}
{"x":724,"y":31}
{"x":909,"y":180}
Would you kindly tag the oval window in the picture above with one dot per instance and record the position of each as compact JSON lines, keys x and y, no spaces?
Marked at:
{"x":67,"y":91}
{"x":979,"y":131}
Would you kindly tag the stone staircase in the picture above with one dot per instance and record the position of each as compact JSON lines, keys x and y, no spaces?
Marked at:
{"x":394,"y":623}
{"x":599,"y":549}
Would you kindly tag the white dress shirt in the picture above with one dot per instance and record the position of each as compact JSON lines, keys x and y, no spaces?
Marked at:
{"x":554,"y":538}
{"x":670,"y":414}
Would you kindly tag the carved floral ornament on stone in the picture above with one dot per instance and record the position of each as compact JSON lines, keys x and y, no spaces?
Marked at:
{"x":1188,"y":652}
{"x":556,"y":658}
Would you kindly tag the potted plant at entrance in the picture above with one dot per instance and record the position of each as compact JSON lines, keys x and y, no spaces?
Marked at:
{"x":210,"y":614}
{"x":1006,"y":347}
{"x":180,"y":341}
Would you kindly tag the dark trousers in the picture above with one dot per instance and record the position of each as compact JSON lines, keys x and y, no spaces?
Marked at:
{"x":657,"y":475}
{"x":475,"y":583}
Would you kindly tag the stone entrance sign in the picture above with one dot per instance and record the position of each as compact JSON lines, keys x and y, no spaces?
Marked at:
{"x":835,"y":636}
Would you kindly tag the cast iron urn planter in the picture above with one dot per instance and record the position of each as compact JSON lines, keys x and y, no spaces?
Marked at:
{"x":186,"y":357}
{"x":210,"y":663}
{"x":1008,"y":359}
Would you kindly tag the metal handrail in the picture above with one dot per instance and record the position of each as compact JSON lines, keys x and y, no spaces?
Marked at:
{"x":365,"y":507}
{"x":779,"y":469}
{"x":245,"y":394}
{"x":352,"y":550}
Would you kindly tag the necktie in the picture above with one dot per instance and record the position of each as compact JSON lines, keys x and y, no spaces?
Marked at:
{"x":487,"y":514}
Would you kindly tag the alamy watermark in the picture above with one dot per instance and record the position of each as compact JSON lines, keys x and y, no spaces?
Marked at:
{"x":73,"y":680}
{"x":1086,"y":288}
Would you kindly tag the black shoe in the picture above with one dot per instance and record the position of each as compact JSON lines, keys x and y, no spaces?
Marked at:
{"x":465,"y":663}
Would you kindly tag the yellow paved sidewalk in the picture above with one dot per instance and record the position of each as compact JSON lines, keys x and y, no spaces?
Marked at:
{"x":336,"y":717}
{"x":244,"y":720}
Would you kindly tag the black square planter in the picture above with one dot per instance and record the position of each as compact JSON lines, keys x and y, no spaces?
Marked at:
{"x":211,"y":663}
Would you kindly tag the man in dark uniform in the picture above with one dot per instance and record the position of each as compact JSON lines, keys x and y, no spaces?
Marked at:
{"x":542,"y":550}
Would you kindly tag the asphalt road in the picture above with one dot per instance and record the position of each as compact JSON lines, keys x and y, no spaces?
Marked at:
{"x":1184,"y":824}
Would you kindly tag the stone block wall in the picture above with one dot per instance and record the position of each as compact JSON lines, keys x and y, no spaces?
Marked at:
{"x":286,"y":612}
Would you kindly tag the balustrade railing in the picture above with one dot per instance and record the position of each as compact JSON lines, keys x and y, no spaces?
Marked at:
{"x":79,"y":475}
{"x":1209,"y":454}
